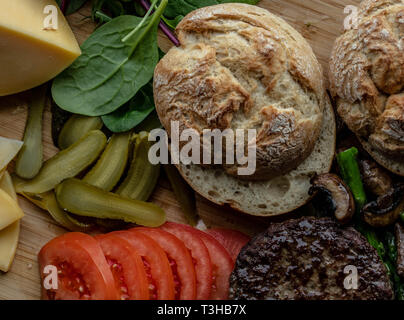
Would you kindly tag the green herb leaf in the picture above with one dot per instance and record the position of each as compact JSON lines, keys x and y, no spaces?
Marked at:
{"x":110,"y":72}
{"x":74,"y":5}
{"x":177,"y":8}
{"x":131,"y":114}
{"x":141,"y":24}
{"x":102,"y":17}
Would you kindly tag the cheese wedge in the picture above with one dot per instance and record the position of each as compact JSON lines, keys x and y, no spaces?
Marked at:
{"x":10,"y":212}
{"x":6,"y":184}
{"x":10,"y":235}
{"x":8,"y":245}
{"x":29,"y":54}
{"x":8,"y":149}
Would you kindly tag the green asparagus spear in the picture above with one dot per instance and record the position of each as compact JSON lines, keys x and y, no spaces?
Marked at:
{"x":348,"y":164}
{"x":390,"y":263}
{"x":391,"y":246}
{"x":349,"y":168}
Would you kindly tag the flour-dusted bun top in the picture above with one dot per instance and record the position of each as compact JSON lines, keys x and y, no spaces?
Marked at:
{"x":241,"y":67}
{"x":367,"y":79}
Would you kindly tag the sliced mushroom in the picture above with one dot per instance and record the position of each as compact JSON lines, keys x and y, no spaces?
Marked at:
{"x":337,"y":193}
{"x":386,"y":209}
{"x":400,"y":249}
{"x":375,"y":179}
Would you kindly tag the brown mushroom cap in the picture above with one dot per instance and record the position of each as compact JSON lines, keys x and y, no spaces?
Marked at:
{"x":341,"y":197}
{"x":376,"y":180}
{"x":386,"y":209}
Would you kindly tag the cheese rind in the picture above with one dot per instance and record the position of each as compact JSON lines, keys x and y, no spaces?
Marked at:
{"x":29,"y":54}
{"x":10,"y":235}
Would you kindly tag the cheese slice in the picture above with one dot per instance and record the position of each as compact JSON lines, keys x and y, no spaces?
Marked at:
{"x":6,"y":184}
{"x":8,"y":245}
{"x":31,"y":55}
{"x":8,"y":149}
{"x":10,"y":235}
{"x":10,"y":212}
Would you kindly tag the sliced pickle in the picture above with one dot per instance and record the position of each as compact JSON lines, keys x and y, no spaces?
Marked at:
{"x":142,"y":176}
{"x":36,"y":199}
{"x":84,"y":223}
{"x":33,"y":198}
{"x":47,"y":201}
{"x":66,"y":164}
{"x":109,"y":169}
{"x":61,"y":216}
{"x":29,"y":160}
{"x":83,"y":199}
{"x":77,"y":127}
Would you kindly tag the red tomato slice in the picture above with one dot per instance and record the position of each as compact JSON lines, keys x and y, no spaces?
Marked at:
{"x":200,"y":256}
{"x":222,"y":266}
{"x":232,"y":240}
{"x":126,"y":266}
{"x":83,"y":271}
{"x":182,"y":265}
{"x":157,"y":267}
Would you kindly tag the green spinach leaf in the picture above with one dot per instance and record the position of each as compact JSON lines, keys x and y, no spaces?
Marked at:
{"x":132,"y":113}
{"x":177,"y":8}
{"x":74,"y":5}
{"x":110,"y":72}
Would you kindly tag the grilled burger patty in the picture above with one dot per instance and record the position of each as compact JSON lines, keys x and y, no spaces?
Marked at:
{"x":305,"y":259}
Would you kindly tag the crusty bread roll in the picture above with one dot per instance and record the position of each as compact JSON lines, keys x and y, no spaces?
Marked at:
{"x":367,"y":80}
{"x":241,"y":67}
{"x":273,"y":197}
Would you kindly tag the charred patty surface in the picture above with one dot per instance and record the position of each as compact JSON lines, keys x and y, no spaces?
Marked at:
{"x":305,"y":259}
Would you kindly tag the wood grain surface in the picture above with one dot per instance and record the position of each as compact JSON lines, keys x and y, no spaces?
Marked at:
{"x":320,"y":22}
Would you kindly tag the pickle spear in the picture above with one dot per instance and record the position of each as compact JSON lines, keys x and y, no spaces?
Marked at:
{"x":29,"y":160}
{"x":142,"y":176}
{"x":80,"y":222}
{"x":59,"y":215}
{"x":77,"y":127}
{"x":66,"y":164}
{"x":83,"y":199}
{"x":109,"y":168}
{"x":47,"y":201}
{"x":37,"y":200}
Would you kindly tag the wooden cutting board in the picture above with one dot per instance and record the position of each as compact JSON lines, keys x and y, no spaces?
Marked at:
{"x":320,"y":22}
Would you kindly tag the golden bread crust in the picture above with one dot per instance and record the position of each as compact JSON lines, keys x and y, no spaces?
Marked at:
{"x":240,"y":67}
{"x":367,"y":77}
